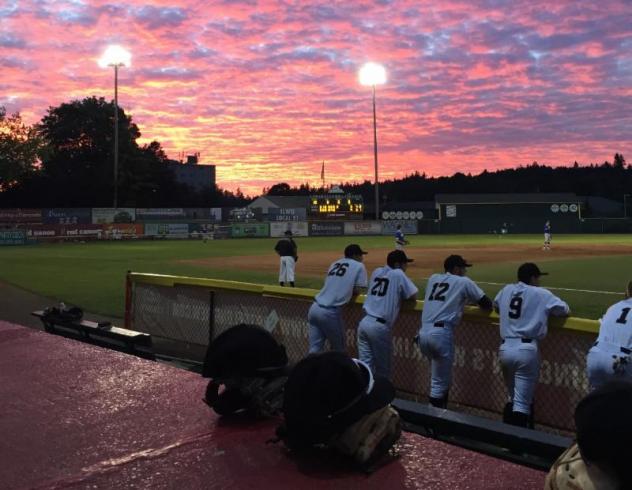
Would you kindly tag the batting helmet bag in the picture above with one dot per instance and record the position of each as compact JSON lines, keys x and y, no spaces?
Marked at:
{"x":332,"y":401}
{"x":248,"y":369}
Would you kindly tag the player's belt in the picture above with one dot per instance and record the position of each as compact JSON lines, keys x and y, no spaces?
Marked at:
{"x":625,"y":350}
{"x":377,"y":319}
{"x":439,"y":324}
{"x":327,"y":307}
{"x":523,"y":340}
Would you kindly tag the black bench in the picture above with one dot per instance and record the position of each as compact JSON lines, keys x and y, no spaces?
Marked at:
{"x":101,"y":333}
{"x":526,"y":446}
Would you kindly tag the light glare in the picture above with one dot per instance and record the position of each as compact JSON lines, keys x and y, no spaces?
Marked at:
{"x":115,"y":55}
{"x":372,"y":74}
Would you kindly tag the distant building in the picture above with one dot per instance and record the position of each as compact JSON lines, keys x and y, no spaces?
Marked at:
{"x":198,"y":177}
{"x":265,"y":203}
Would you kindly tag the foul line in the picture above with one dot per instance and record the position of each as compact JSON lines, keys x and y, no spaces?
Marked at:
{"x":619,"y":293}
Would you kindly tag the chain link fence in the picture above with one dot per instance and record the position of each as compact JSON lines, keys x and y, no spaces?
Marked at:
{"x":187,"y":313}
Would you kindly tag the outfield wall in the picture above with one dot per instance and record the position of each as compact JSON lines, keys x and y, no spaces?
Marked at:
{"x":191,"y":311}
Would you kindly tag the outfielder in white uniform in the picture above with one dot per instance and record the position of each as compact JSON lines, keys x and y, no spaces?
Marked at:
{"x":524,"y":308}
{"x":388,"y":287}
{"x":610,"y":359}
{"x":446,"y":295}
{"x":547,"y":236}
{"x":346,"y":277}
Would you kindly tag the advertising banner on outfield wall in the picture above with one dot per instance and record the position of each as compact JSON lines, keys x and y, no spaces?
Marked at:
{"x":325,"y":228}
{"x":111,"y":215}
{"x":167,"y":229}
{"x":12,"y":237}
{"x":287,"y":214}
{"x":408,"y":227}
{"x":241,"y":230}
{"x":216,"y":214}
{"x":149,"y":214}
{"x":43,"y":231}
{"x":298,"y":228}
{"x":84,"y":231}
{"x":66,"y":216}
{"x":121,"y":230}
{"x":20,"y":215}
{"x":363,"y":228}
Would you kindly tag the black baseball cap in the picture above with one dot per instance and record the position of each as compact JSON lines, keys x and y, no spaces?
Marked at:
{"x":527,"y":270}
{"x":288,"y":232}
{"x":331,"y":391}
{"x":354,"y":249}
{"x":604,"y":427}
{"x":455,"y":261}
{"x":397,"y":257}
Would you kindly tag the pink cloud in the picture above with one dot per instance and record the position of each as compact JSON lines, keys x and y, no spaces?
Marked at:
{"x":268,"y":90}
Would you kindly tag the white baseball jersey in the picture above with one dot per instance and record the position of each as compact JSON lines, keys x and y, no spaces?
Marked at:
{"x":616,"y":324}
{"x":387,"y":289}
{"x":524,"y":310}
{"x":446,"y":295}
{"x":342,"y":277}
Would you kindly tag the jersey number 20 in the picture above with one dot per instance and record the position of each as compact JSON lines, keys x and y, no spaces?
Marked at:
{"x":380,"y":287}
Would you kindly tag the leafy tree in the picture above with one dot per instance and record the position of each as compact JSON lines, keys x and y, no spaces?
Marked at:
{"x":20,"y":147}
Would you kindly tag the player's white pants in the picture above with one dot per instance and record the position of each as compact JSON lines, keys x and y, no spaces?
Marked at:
{"x":547,"y":238}
{"x":399,"y":246}
{"x":606,"y":362}
{"x":286,"y":270}
{"x":437,"y":344}
{"x":375,"y":346}
{"x":521,"y":368}
{"x":325,"y":324}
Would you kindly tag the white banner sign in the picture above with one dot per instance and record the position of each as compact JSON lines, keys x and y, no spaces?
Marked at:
{"x":298,"y":228}
{"x":363,"y":228}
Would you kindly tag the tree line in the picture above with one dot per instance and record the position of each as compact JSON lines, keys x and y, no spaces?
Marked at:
{"x":66,"y":161}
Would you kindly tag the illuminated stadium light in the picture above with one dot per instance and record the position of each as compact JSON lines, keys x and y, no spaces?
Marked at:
{"x":372,"y":74}
{"x":115,"y":56}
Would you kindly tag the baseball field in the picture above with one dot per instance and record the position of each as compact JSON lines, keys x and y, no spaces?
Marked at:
{"x":588,"y":271}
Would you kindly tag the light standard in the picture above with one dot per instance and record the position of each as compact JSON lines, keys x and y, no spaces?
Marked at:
{"x":373,"y":74}
{"x":115,"y":56}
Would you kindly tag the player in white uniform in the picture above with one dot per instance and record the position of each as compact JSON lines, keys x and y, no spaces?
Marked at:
{"x":446,"y":295}
{"x":286,"y":248}
{"x":524,"y":308}
{"x":400,"y":239}
{"x":346,"y":277}
{"x":609,"y":358}
{"x":388,"y":287}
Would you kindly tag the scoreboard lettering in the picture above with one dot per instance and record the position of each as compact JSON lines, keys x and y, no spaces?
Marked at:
{"x":336,"y":206}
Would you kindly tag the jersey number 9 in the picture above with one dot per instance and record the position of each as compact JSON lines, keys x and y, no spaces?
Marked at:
{"x":515,"y":307}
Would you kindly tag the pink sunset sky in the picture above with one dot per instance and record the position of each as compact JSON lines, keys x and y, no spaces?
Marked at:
{"x":268,"y":90}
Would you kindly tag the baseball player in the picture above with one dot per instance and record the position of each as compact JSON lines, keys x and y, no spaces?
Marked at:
{"x":346,"y":277}
{"x":400,"y":239}
{"x":287,"y":250}
{"x":446,"y":295}
{"x":388,"y":287}
{"x":547,"y":236}
{"x":524,"y":308}
{"x":609,"y":358}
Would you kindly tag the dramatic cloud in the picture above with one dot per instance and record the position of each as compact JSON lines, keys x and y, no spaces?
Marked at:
{"x":267,"y":90}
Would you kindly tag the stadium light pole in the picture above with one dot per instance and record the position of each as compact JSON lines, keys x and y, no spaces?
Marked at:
{"x":115,"y":56}
{"x":372,"y":74}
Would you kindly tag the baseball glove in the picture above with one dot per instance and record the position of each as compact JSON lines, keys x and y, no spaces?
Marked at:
{"x":570,"y":472}
{"x":371,"y":437}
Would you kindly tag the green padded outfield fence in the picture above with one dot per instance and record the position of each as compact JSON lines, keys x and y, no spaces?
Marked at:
{"x":188,"y":312}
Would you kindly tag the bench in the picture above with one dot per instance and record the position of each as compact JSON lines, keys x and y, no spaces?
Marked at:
{"x":101,"y":333}
{"x":526,"y":446}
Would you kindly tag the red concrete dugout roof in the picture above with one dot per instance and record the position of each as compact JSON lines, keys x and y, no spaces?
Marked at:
{"x":77,"y":416}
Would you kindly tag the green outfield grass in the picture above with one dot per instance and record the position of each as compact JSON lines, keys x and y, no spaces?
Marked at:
{"x":92,"y":275}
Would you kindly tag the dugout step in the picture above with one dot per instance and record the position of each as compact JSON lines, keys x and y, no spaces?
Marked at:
{"x":103,"y":334}
{"x":527,"y":446}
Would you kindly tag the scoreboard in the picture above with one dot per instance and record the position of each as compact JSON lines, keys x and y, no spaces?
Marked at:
{"x":336,"y":206}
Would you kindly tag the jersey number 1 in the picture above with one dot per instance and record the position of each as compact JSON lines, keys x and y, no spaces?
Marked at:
{"x":624,"y":316}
